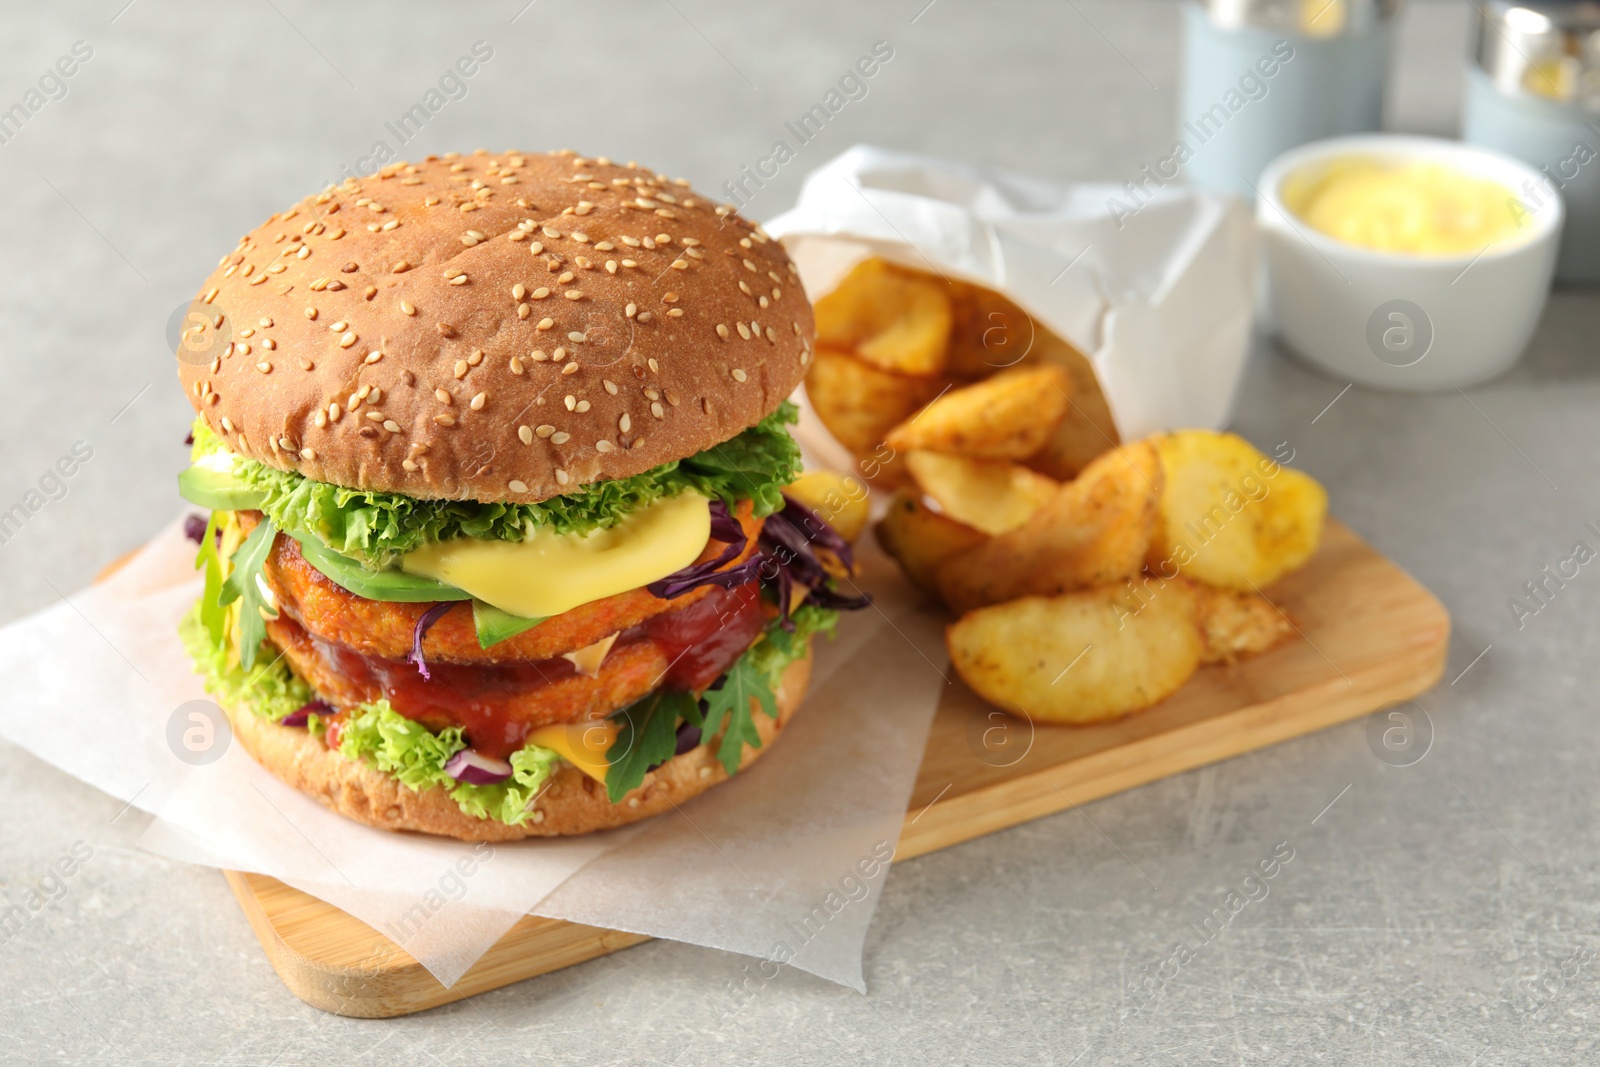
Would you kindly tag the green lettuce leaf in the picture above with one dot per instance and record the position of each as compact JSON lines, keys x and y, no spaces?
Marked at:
{"x":375,"y":733}
{"x":244,"y":583}
{"x":376,"y":527}
{"x":649,"y":736}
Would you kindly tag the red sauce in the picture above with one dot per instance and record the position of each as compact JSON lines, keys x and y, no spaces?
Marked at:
{"x":700,"y":643}
{"x":704,"y":639}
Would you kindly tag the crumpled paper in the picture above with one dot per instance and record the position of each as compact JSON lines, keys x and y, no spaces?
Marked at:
{"x":100,"y":686}
{"x":1159,"y":299}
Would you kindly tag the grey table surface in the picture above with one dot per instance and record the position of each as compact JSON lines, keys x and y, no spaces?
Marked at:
{"x":1441,"y":913}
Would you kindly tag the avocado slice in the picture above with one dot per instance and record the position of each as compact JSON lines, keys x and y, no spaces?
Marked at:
{"x":218,"y":490}
{"x":495,"y":625}
{"x":389,"y":584}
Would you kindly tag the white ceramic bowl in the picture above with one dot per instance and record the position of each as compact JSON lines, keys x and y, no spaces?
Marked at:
{"x":1399,"y":321}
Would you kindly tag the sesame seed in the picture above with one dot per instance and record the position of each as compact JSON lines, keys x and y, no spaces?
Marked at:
{"x":375,"y":416}
{"x":755,"y":327}
{"x":538,"y":355}
{"x":516,"y":365}
{"x":629,"y":263}
{"x":441,"y":396}
{"x":655,"y":368}
{"x":675,"y":313}
{"x":476,"y":357}
{"x":269,"y":344}
{"x":656,"y":409}
{"x":576,"y":337}
{"x":334,"y":411}
{"x":602,"y":446}
{"x":408,"y":465}
{"x":446,"y":330}
{"x":348,"y":339}
{"x":772,"y":335}
{"x":631,"y":242}
{"x":516,"y":486}
{"x":680,"y":264}
{"x":583,"y":405}
{"x":243,"y":350}
{"x":603,"y":246}
{"x":479,"y":400}
{"x":631,"y":310}
{"x":306,"y":453}
{"x":624,"y":423}
{"x":560,"y":437}
{"x":407,"y":307}
{"x":339,"y":326}
{"x":525,"y":434}
{"x":540,"y":293}
{"x":570,"y":401}
{"x":536,"y":248}
{"x":391,"y":425}
{"x":519,"y":291}
{"x":551,"y":233}
{"x":461,"y":368}
{"x":264,"y":367}
{"x":445,"y":419}
{"x":459,"y":279}
{"x":401,"y":267}
{"x":644,"y":316}
{"x":669,"y":298}
{"x":573,"y":294}
{"x":523,"y":311}
{"x":581,"y":238}
{"x":611,"y":386}
{"x":373,"y":357}
{"x":311,"y":313}
{"x":562,"y":477}
{"x":739,"y":375}
{"x":570,"y":368}
{"x":611,"y":266}
{"x":545,"y":430}
{"x":566,"y":276}
{"x":722,"y":331}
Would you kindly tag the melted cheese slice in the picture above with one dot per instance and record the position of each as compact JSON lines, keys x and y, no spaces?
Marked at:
{"x":584,"y":745}
{"x":550,"y":573}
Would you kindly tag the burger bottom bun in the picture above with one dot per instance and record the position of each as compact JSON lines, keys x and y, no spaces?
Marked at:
{"x":573,"y":803}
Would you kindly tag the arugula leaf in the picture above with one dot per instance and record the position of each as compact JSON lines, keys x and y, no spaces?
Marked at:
{"x":743,"y":684}
{"x":244,"y":584}
{"x":209,"y":558}
{"x":494,"y":625}
{"x":649,"y":736}
{"x":376,"y":527}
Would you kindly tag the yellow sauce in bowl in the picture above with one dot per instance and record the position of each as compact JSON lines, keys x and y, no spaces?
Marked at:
{"x":1415,"y":208}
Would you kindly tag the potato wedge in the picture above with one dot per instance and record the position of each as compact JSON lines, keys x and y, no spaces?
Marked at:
{"x":1080,"y":657}
{"x":988,"y":495}
{"x":895,"y":319}
{"x":1236,"y":625}
{"x":1230,"y":516}
{"x":988,"y":333}
{"x":839,"y":500}
{"x":920,"y":539}
{"x":1088,"y":429}
{"x":860,"y":403}
{"x":1094,"y":531}
{"x":1009,"y":416}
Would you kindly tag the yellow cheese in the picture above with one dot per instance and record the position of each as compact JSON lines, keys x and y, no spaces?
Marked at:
{"x":550,"y":573}
{"x":584,"y":745}
{"x":589,"y":659}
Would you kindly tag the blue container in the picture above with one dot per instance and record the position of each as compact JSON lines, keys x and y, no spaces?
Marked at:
{"x":1533,"y":92}
{"x":1264,"y":76}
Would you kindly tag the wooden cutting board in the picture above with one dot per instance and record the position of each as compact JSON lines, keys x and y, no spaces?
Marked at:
{"x":1369,"y":637}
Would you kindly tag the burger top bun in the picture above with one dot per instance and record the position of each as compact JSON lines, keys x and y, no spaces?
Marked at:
{"x":494,"y":327}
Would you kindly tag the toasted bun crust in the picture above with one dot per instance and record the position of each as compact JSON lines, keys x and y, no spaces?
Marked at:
{"x":373,"y":335}
{"x":574,"y":803}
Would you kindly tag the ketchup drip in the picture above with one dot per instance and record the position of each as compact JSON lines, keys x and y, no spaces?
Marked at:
{"x":700,"y":643}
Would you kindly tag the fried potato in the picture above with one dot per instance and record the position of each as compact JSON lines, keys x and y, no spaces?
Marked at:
{"x":986,"y":494}
{"x":838,"y":499}
{"x":920,"y":539}
{"x":1080,"y":657}
{"x":1095,"y":530}
{"x":1236,"y":625}
{"x":860,"y":403}
{"x":1230,"y":516}
{"x":988,"y":333}
{"x":1088,"y":429}
{"x":1009,"y":416}
{"x":894,"y":319}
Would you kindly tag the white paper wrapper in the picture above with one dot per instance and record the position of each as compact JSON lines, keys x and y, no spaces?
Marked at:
{"x":94,"y":683}
{"x":1161,"y":305}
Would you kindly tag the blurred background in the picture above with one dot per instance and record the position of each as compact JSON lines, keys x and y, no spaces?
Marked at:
{"x":1419,"y":926}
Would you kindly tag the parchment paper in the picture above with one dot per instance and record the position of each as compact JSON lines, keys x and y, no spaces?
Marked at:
{"x":1159,"y":301}
{"x":92,"y":684}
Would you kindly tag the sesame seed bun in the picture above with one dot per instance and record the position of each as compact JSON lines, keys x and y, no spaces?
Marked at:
{"x":574,"y":803}
{"x":495,"y":327}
